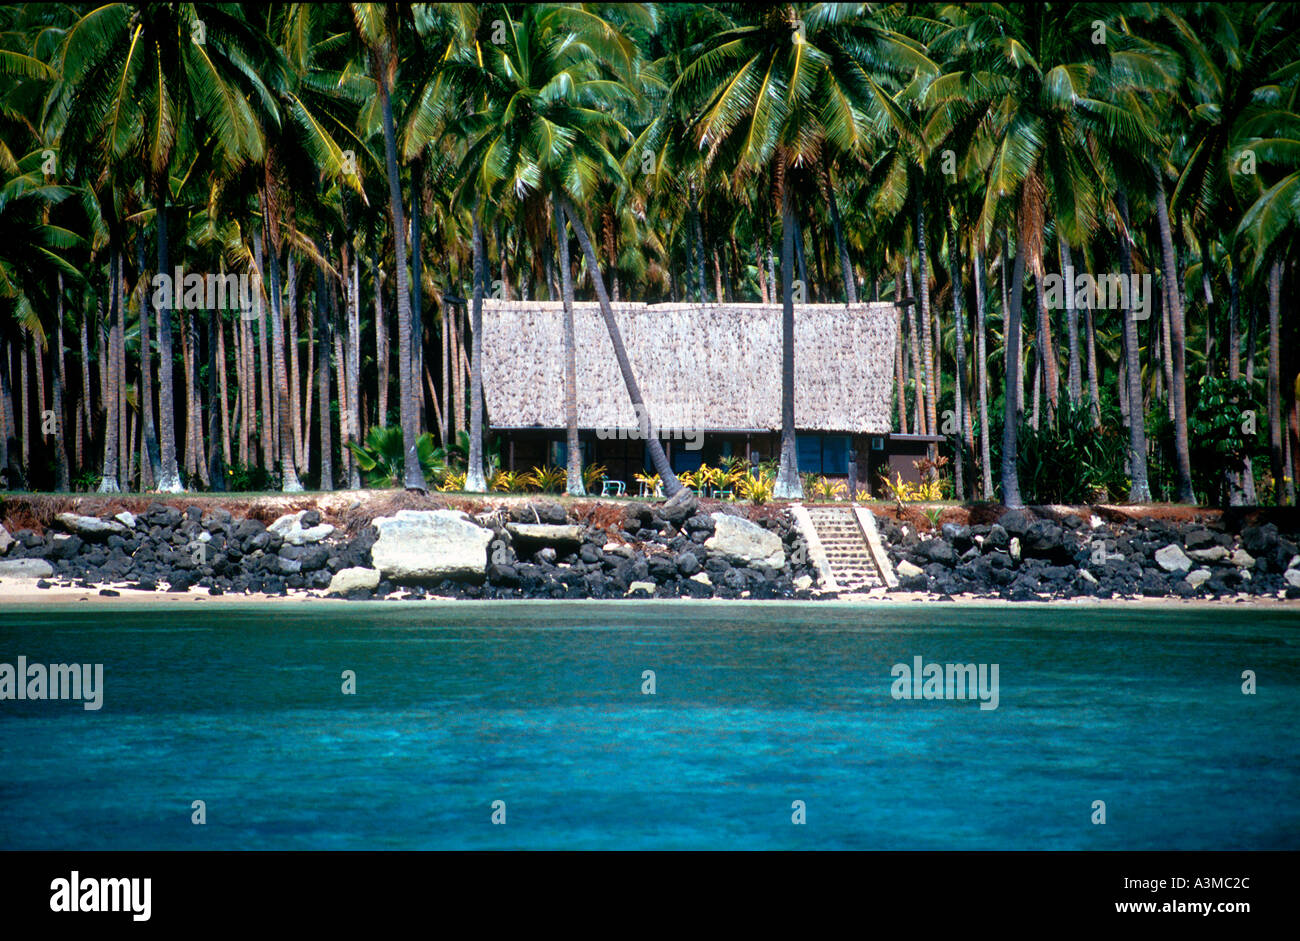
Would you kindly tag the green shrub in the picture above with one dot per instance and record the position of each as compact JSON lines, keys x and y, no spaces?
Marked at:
{"x":1072,"y":461}
{"x":382,"y":458}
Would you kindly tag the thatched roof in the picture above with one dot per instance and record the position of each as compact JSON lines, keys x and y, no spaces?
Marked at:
{"x":700,"y":366}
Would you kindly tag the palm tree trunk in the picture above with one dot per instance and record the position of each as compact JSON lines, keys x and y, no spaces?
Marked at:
{"x":900,"y":370}
{"x":119,"y":363}
{"x":1163,"y":348}
{"x":7,"y":429}
{"x":62,"y":478}
{"x":912,"y":314}
{"x":846,"y":266}
{"x":474,"y":479}
{"x":128,"y":449}
{"x":1090,"y":339}
{"x":408,"y":378}
{"x":295,"y":383}
{"x":38,"y":364}
{"x":1038,"y":386}
{"x":323,"y":379}
{"x":309,"y":370}
{"x":1046,"y":349}
{"x":151,"y":466}
{"x":345,"y":407}
{"x":1139,"y":489}
{"x":788,"y":484}
{"x":1208,"y":296}
{"x":1010,"y":474}
{"x":923,"y":293}
{"x":1275,"y":380}
{"x":289,"y":482}
{"x":186,"y":363}
{"x":5,"y":408}
{"x":657,"y":457}
{"x":433,"y":395}
{"x":237,"y":414}
{"x":457,"y":385}
{"x":1236,"y":482}
{"x":216,"y":466}
{"x":697,"y":227}
{"x":194,"y":423}
{"x":381,"y":340}
{"x":982,"y":363}
{"x":263,"y":361}
{"x":353,"y":371}
{"x":959,"y":344}
{"x":223,"y":390}
{"x":108,"y":368}
{"x":735,"y":268}
{"x":103,"y":352}
{"x":574,"y":484}
{"x":444,"y":426}
{"x":417,"y":293}
{"x":771,"y":269}
{"x":800,"y":259}
{"x":83,"y":407}
{"x":1178,"y":343}
{"x":1251,"y":495}
{"x":1074,"y":378}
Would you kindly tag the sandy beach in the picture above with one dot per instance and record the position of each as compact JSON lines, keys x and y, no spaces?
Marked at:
{"x":16,"y":593}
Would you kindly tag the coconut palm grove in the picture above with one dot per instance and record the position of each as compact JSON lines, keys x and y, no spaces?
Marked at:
{"x":249,"y":246}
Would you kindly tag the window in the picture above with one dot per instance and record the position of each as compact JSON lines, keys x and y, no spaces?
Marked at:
{"x":809,"y":448}
{"x":823,"y":454}
{"x":684,"y":460}
{"x":835,"y":454}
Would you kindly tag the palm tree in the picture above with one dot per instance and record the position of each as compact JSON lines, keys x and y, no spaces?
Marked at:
{"x":758,"y":96}
{"x":133,"y":80}
{"x":1050,"y":98}
{"x":376,"y":25}
{"x":543,"y":121}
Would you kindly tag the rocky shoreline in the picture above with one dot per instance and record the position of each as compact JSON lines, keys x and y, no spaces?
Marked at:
{"x":1031,"y":556}
{"x":674,"y":549}
{"x":528,"y":550}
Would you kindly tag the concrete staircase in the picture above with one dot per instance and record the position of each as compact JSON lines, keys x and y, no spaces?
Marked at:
{"x":845,"y":546}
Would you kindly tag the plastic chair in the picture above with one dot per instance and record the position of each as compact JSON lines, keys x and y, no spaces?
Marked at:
{"x":613,"y":488}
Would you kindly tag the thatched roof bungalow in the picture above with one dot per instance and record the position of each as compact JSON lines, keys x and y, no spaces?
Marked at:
{"x":714,"y":368}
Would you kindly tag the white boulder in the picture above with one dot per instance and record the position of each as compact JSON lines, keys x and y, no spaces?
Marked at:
{"x":1172,"y":559}
{"x":740,"y":540}
{"x":346,"y":580}
{"x":295,"y":534}
{"x":25,"y":568}
{"x":430,"y":545}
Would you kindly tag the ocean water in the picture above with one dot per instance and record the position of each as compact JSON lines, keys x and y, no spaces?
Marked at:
{"x":540,"y":705}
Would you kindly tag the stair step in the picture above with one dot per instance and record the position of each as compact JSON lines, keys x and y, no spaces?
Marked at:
{"x":845,"y":545}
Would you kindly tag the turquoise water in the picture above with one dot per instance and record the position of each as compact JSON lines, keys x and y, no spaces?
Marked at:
{"x":540,"y":705}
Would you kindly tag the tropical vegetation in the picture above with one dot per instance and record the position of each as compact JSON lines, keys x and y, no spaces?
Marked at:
{"x":375,"y":171}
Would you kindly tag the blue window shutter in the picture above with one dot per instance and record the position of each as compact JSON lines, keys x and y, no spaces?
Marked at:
{"x":835,"y":454}
{"x":810,"y":454}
